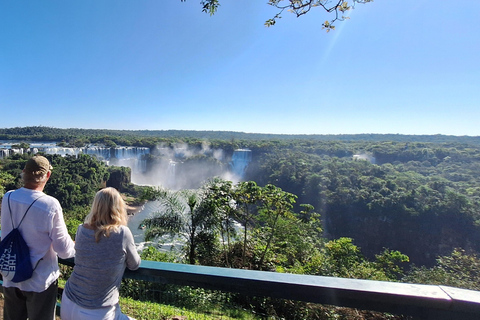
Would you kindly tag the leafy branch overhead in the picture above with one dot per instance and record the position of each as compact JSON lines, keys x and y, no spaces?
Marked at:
{"x":337,"y":8}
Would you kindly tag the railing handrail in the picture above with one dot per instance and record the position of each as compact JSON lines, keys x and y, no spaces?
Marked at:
{"x":419,"y":300}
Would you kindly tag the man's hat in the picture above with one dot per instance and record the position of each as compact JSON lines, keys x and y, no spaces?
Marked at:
{"x":38,"y":166}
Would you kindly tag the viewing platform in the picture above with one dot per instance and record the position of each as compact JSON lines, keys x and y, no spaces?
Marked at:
{"x":420,"y":301}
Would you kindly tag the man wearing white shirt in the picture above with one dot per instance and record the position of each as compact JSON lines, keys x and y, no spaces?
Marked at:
{"x":45,"y":233}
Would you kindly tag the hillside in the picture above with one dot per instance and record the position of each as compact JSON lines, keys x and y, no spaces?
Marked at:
{"x":41,"y":133}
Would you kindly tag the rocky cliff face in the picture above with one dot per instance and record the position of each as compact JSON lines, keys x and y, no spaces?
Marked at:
{"x":120,"y":178}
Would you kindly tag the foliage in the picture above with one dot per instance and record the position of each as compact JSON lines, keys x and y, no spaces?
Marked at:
{"x":5,"y":180}
{"x":276,"y":238}
{"x":418,"y":196}
{"x":298,"y":7}
{"x":379,"y":201}
{"x":344,"y":259}
{"x":247,"y":196}
{"x":459,"y":269}
{"x":72,"y":226}
{"x":276,"y":207}
{"x":119,"y":178}
{"x":338,"y":8}
{"x":149,"y":193}
{"x":182,"y":216}
{"x":153,"y":254}
{"x":21,"y":145}
{"x":224,"y":139}
{"x":146,"y":310}
{"x":189,"y":302}
{"x":410,"y":197}
{"x":195,"y":170}
{"x":74,"y":182}
{"x":11,"y":169}
{"x":205,"y":220}
{"x":389,"y":261}
{"x":219,"y":200}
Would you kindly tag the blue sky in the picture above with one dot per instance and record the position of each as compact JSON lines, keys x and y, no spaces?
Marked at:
{"x":397,"y":66}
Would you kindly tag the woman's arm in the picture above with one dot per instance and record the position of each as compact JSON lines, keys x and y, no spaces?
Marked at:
{"x":132,"y":259}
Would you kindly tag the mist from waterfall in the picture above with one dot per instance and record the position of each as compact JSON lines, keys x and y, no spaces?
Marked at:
{"x":174,"y":167}
{"x":178,"y":166}
{"x":182,"y":167}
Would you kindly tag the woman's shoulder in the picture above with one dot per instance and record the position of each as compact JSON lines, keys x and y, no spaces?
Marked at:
{"x":124,"y":230}
{"x":87,"y":226}
{"x":126,"y":234}
{"x":120,"y":231}
{"x":85,"y":230}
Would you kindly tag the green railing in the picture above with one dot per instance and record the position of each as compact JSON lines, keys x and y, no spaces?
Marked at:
{"x":421,"y":301}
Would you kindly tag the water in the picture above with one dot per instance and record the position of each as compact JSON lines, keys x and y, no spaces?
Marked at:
{"x":167,"y":243}
{"x":134,"y":222}
{"x":132,"y":157}
{"x":158,"y":172}
{"x":240,"y":160}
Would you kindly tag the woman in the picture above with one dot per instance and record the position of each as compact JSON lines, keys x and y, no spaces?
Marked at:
{"x":104,"y":247}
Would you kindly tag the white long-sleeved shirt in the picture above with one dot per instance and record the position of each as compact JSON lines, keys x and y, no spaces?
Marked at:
{"x":44,"y":231}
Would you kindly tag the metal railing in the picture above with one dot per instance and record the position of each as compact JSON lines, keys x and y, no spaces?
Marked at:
{"x":417,"y":300}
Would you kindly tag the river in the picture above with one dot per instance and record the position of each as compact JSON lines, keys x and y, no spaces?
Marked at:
{"x":134,"y":221}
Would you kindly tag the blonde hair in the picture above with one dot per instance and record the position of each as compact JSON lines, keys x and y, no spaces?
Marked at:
{"x":108,"y":213}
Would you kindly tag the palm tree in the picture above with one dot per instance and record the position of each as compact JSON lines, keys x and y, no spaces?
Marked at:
{"x":220,"y":201}
{"x":182,"y":214}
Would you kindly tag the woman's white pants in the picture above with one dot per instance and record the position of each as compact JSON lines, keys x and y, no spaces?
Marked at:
{"x":69,"y":310}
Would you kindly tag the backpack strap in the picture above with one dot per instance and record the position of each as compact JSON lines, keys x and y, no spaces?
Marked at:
{"x":9,"y":208}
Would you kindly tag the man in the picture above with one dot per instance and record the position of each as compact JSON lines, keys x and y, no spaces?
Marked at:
{"x":45,"y":233}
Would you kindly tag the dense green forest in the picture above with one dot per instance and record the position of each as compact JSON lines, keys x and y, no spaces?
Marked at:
{"x":419,"y":198}
{"x":80,"y":137}
{"x":404,"y":209}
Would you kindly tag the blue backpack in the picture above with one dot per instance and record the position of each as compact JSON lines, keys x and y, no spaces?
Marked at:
{"x":15,"y":264}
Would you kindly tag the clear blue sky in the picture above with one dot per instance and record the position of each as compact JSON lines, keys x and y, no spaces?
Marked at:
{"x":397,"y":66}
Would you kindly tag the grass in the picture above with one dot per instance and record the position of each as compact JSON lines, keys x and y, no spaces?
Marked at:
{"x":146,"y":310}
{"x":142,"y":310}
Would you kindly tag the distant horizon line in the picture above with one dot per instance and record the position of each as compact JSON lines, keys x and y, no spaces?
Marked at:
{"x":240,"y":132}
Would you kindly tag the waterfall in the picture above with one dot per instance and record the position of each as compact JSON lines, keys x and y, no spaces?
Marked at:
{"x":103,"y":153}
{"x":4,"y":153}
{"x":132,"y":157}
{"x":240,"y":160}
{"x":165,"y":167}
{"x":171,"y":174}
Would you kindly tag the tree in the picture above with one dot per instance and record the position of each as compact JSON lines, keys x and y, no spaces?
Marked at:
{"x":247,"y":195}
{"x":459,"y":269}
{"x":220,"y":201}
{"x":75,"y":179}
{"x":22,"y":145}
{"x":5,"y":179}
{"x":299,"y":7}
{"x":344,"y":259}
{"x":389,"y":261}
{"x":182,"y":214}
{"x":276,"y":204}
